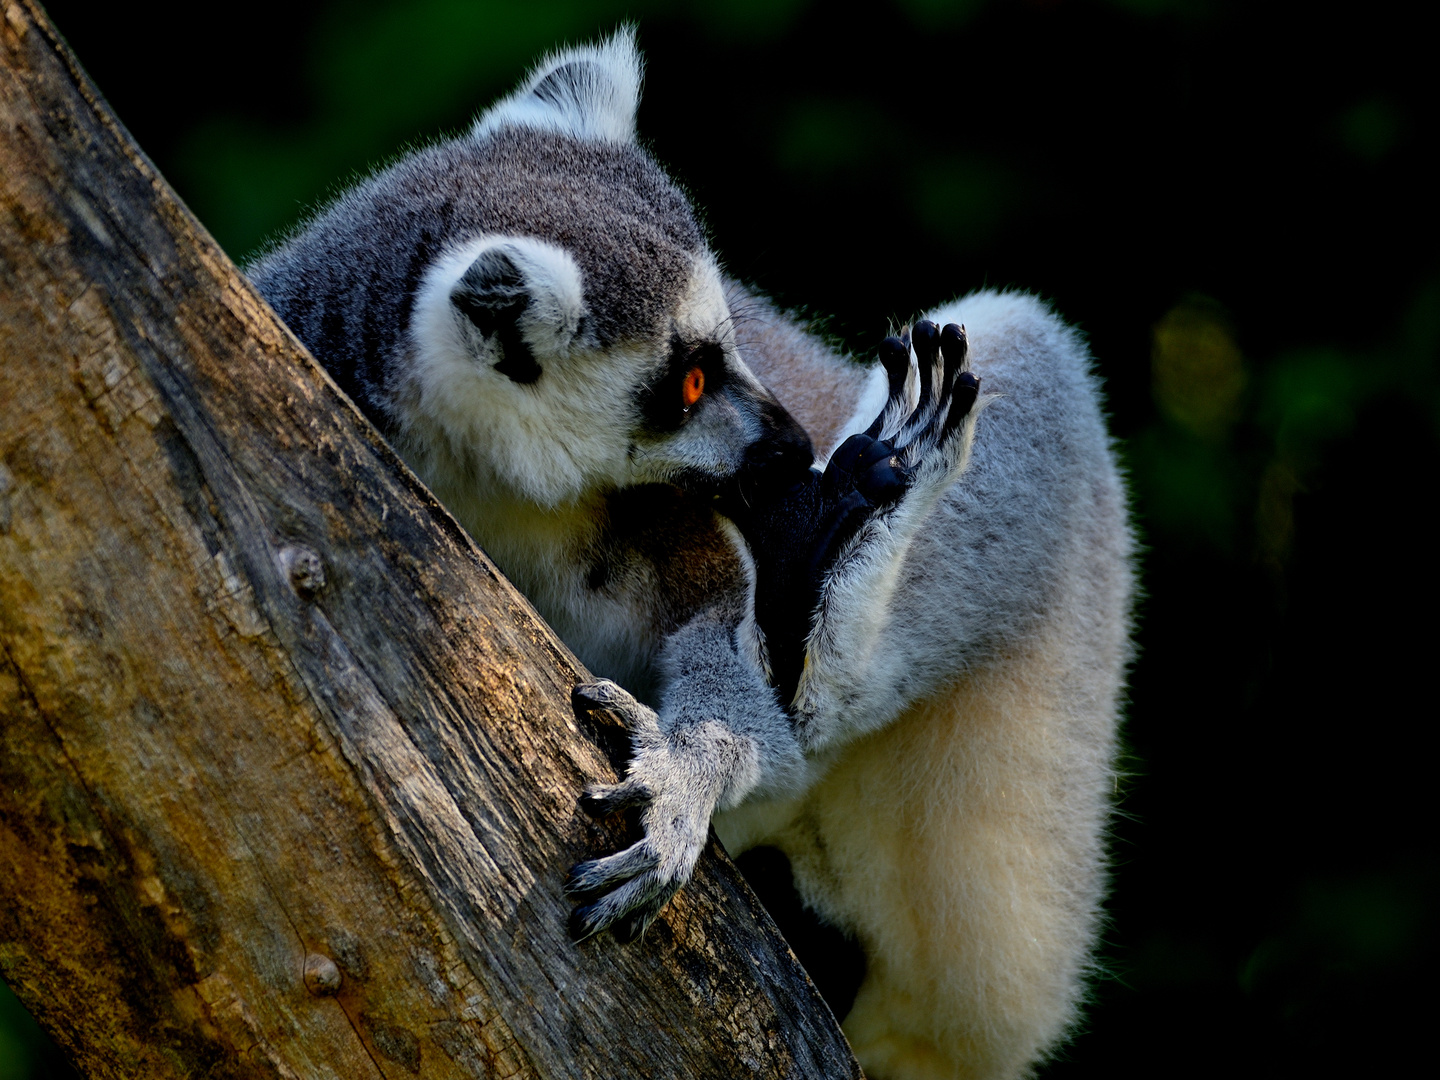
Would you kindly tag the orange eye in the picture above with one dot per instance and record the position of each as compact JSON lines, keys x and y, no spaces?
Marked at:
{"x":693,"y":388}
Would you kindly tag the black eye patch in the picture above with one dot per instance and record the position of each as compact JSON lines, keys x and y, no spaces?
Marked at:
{"x":693,"y":371}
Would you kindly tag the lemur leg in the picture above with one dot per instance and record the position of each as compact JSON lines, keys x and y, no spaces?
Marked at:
{"x":843,"y":689}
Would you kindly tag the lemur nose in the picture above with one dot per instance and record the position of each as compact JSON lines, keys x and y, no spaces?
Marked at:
{"x":783,"y":454}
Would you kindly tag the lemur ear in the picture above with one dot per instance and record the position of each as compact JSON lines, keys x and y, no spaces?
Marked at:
{"x":493,"y":295}
{"x":525,"y":296}
{"x":590,"y":92}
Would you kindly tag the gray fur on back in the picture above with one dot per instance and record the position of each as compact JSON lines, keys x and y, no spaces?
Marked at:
{"x":608,"y":204}
{"x":1040,"y":510}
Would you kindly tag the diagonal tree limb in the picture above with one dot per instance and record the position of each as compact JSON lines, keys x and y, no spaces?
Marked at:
{"x":287,"y":769}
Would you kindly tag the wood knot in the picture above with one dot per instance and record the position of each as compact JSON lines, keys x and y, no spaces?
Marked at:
{"x":322,"y":977}
{"x":304,"y":568}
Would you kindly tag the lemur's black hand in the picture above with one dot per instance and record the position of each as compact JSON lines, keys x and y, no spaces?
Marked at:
{"x":796,"y":536}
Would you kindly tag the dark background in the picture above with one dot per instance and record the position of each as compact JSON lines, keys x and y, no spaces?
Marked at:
{"x":1229,"y":198}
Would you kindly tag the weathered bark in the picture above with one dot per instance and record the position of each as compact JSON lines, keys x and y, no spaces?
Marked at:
{"x":288,"y":771}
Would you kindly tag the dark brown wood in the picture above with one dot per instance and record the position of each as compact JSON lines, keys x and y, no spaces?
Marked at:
{"x":287,"y":769}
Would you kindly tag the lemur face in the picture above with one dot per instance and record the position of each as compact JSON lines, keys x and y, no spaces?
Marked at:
{"x":512,"y":365}
{"x":704,"y":419}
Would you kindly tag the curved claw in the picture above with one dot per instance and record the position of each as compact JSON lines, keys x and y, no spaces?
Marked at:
{"x":635,"y":924}
{"x":647,"y":892}
{"x":633,"y":928}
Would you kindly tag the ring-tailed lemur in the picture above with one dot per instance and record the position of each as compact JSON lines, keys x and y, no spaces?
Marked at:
{"x":531,"y":314}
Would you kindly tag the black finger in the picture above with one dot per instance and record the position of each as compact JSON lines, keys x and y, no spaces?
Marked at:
{"x":612,"y":907}
{"x":879,"y":450}
{"x":599,"y":695}
{"x":895,"y":357}
{"x":967,"y":389}
{"x":883,"y":482}
{"x":612,"y":871}
{"x":926,"y":337}
{"x":954,"y":346}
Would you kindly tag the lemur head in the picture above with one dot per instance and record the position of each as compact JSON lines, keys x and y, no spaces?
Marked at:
{"x":581,"y":341}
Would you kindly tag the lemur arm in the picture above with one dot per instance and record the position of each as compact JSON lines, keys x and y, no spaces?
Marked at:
{"x":718,"y":735}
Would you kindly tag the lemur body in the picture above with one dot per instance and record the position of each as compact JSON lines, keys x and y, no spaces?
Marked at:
{"x":532,"y":316}
{"x":959,"y":831}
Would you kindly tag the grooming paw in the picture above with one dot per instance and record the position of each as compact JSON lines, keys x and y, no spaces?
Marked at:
{"x":676,"y":781}
{"x":930,"y":436}
{"x":904,"y":448}
{"x":875,"y":494}
{"x":888,"y":477}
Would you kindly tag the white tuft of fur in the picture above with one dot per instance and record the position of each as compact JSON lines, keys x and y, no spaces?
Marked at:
{"x":552,"y":441}
{"x":590,"y":92}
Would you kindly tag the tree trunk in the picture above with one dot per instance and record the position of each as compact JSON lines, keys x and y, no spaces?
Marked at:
{"x":288,"y":771}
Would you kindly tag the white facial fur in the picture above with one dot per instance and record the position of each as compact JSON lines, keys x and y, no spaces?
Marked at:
{"x":575,"y":430}
{"x":547,"y":441}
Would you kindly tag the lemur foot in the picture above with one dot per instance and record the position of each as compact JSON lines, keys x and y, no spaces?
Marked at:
{"x":676,"y":780}
{"x":892,"y":473}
